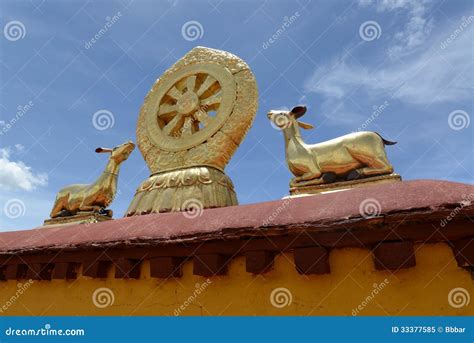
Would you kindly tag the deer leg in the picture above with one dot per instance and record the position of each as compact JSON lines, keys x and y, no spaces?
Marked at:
{"x":378,"y":166}
{"x":374,"y":164}
{"x":376,"y":171}
{"x":91,"y":208}
{"x":59,"y":205}
{"x":307,"y":179}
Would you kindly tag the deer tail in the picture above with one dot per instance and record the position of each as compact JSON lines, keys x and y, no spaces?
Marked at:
{"x":386,"y":142}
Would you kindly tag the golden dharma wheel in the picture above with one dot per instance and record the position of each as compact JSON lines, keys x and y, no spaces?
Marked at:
{"x":191,"y":122}
{"x":197,"y":112}
{"x":191,"y":106}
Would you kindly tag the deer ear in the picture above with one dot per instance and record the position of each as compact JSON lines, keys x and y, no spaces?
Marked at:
{"x":298,"y":111}
{"x":305,"y":126}
{"x":101,"y":150}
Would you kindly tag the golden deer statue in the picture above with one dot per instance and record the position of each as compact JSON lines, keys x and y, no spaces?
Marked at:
{"x":97,"y":196}
{"x":353,"y":156}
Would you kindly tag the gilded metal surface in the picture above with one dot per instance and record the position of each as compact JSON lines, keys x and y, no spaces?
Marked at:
{"x":191,"y":123}
{"x":351,"y":157}
{"x":190,"y":106}
{"x":79,"y":218}
{"x":95,"y":197}
{"x":191,"y":135}
{"x":185,"y":189}
{"x":343,"y":185}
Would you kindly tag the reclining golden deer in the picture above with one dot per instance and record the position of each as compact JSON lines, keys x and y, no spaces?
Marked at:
{"x":97,"y":196}
{"x":353,"y":156}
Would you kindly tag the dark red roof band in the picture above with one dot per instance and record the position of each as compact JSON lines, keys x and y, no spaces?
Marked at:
{"x":401,"y":214}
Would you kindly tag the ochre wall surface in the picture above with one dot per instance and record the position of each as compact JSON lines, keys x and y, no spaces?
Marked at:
{"x":422,"y":290}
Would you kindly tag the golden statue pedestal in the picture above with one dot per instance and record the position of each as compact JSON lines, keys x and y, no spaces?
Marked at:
{"x":191,"y":122}
{"x":79,"y":218}
{"x":342,"y":185}
{"x":191,"y":189}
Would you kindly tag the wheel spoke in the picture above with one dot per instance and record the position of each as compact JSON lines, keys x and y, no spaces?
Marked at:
{"x":203,"y":117}
{"x":167,"y":108}
{"x":173,"y":125}
{"x":187,"y":127}
{"x":174,"y":93}
{"x":214,"y":99}
{"x":191,"y":83}
{"x":206,"y":84}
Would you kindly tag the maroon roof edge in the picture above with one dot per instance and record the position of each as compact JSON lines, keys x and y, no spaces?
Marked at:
{"x":323,"y":209}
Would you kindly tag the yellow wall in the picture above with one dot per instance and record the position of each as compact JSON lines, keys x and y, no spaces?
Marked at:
{"x":422,"y":290}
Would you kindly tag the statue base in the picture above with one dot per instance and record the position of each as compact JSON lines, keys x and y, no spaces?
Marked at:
{"x":190,"y":189}
{"x":342,"y":185}
{"x":79,"y":218}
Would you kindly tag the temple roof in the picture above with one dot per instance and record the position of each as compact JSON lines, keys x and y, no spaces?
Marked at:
{"x":400,"y":202}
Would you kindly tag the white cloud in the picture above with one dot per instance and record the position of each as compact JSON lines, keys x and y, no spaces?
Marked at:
{"x":434,"y":76}
{"x":19,"y":147}
{"x":416,"y":29}
{"x":16,"y":175}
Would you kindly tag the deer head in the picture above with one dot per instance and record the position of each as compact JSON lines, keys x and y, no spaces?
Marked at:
{"x":120,"y":153}
{"x":288,"y":120}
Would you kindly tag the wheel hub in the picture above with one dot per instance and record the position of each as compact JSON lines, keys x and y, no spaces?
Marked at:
{"x":188,"y":103}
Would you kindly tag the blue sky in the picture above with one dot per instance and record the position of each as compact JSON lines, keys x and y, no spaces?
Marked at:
{"x":344,"y":59}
